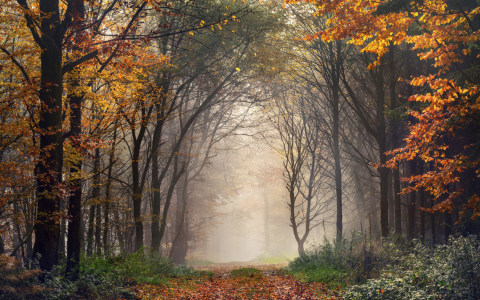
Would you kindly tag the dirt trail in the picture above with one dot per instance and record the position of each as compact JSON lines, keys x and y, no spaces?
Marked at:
{"x":269,"y":283}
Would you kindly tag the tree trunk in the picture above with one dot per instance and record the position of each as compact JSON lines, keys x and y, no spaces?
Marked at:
{"x":359,"y":199}
{"x":156,"y":180}
{"x":49,"y":166}
{"x":175,"y":177}
{"x":96,"y":199}
{"x":422,"y":203}
{"x":412,"y":201}
{"x":266,"y":224}
{"x":336,"y":138}
{"x":91,"y":223}
{"x":107,"y":194}
{"x":448,"y":224}
{"x":74,"y":237}
{"x":432,"y":223}
{"x":179,"y":244}
{"x":395,"y":144}
{"x":98,"y":229}
{"x":382,"y":149}
{"x":63,"y":228}
{"x":391,"y":201}
{"x":301,"y":248}
{"x":137,"y":203}
{"x":120,"y":238}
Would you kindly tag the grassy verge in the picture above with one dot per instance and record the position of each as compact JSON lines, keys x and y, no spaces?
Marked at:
{"x":341,"y":263}
{"x":101,"y":277}
{"x":276,"y":259}
{"x":247,"y":273}
{"x":394,"y":269}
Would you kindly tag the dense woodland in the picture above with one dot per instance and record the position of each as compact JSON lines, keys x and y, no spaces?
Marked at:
{"x":125,"y":125}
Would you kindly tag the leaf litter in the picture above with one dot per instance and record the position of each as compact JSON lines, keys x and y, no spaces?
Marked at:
{"x":265,"y":281}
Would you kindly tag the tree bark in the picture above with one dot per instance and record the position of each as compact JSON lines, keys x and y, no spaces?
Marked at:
{"x":395,"y":143}
{"x":107,"y":193}
{"x":91,"y":223}
{"x":382,"y":149}
{"x":48,"y":169}
{"x":391,"y":201}
{"x":422,"y":203}
{"x":179,"y":244}
{"x":411,"y":201}
{"x":336,"y":136}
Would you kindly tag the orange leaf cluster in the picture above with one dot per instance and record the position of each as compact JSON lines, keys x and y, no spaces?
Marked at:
{"x":443,"y":35}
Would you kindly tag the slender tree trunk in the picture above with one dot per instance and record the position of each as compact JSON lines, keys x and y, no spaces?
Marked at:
{"x":448,"y":224}
{"x":175,"y":177}
{"x":156,"y":180}
{"x":266,"y":224}
{"x":98,"y":229}
{"x":17,"y":234}
{"x":137,"y":204}
{"x":412,"y":201}
{"x":96,"y":199}
{"x":338,"y":170}
{"x":432,"y":224}
{"x":422,"y":203}
{"x":91,"y":223}
{"x":395,"y":144}
{"x":63,"y":229}
{"x":179,"y":244}
{"x":391,"y":201}
{"x":336,"y":137}
{"x":382,"y":149}
{"x":107,"y":194}
{"x":29,"y":228}
{"x":75,"y":200}
{"x":121,"y":240}
{"x":359,"y":198}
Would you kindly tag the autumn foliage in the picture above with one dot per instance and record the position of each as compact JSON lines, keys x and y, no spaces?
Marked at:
{"x":445,"y":35}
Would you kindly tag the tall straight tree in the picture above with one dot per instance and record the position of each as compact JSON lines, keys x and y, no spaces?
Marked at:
{"x":48,"y":30}
{"x":323,"y":64}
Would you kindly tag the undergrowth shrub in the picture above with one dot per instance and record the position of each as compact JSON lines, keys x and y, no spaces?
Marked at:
{"x":16,"y":282}
{"x":130,"y":269}
{"x":346,"y":261}
{"x":100,"y":277}
{"x":450,"y":271}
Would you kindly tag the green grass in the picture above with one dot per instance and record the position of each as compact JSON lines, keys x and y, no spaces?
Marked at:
{"x":247,"y":273}
{"x":325,"y":274}
{"x":198,"y":262}
{"x":276,"y":259}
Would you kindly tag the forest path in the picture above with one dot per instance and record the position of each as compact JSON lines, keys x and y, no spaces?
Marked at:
{"x":238,"y":281}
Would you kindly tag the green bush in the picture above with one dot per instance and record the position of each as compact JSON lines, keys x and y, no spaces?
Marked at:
{"x":127,"y":269}
{"x":449,"y":271}
{"x":342,"y":262}
{"x":100,"y":277}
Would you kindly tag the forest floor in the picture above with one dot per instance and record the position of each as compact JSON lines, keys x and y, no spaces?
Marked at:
{"x":238,"y":281}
